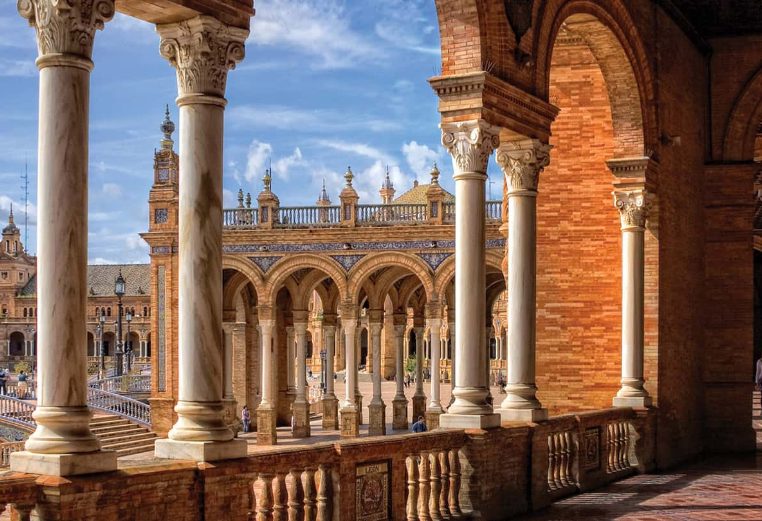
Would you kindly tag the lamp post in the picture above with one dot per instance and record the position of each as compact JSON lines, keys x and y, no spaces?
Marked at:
{"x":101,"y":351}
{"x":119,"y":291}
{"x":322,"y":371}
{"x":128,"y":344}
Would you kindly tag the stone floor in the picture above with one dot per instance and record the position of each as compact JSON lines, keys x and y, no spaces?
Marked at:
{"x":719,"y":488}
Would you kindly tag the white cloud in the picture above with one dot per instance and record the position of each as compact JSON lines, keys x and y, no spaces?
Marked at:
{"x":405,"y":24}
{"x":139,"y":31}
{"x":368,"y":181}
{"x":19,"y":68}
{"x":282,"y":166}
{"x":111,"y":189}
{"x":258,"y":155}
{"x":420,"y":158}
{"x":304,"y":120}
{"x":359,"y":149}
{"x":18,"y":211}
{"x":317,"y":28}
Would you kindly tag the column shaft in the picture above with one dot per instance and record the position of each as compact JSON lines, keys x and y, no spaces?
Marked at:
{"x":436,"y":355}
{"x":300,"y":330}
{"x":399,"y":349}
{"x":330,"y":352}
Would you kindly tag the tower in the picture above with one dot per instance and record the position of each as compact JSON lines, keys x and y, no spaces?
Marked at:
{"x":163,"y":199}
{"x":12,"y":244}
{"x":387,"y":189}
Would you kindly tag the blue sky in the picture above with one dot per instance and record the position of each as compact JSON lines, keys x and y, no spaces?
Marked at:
{"x":325,"y":84}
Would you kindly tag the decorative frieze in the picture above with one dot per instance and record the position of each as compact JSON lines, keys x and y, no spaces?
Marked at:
{"x":202,"y":50}
{"x":347,"y":261}
{"x":521,"y":163}
{"x":435,"y":259}
{"x":265,"y":263}
{"x":470,"y":143}
{"x":66,"y":26}
{"x":357,"y":246}
{"x":633,"y":208}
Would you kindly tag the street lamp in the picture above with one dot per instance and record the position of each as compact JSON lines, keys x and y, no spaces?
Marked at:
{"x":119,"y":291}
{"x":101,"y":351}
{"x":323,"y":382}
{"x":128,"y":344}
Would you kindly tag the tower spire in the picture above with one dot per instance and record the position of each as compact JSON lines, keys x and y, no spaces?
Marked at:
{"x":167,"y":127}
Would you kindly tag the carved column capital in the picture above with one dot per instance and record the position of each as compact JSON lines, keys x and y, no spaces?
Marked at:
{"x":203,"y":50}
{"x":470,"y":143}
{"x":633,"y":206}
{"x":66,"y":27}
{"x":521,"y":163}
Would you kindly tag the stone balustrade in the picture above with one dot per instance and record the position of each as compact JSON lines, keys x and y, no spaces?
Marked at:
{"x":365,"y":215}
{"x":6,"y":449}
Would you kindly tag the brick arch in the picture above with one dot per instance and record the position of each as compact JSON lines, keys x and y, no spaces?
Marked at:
{"x":407,"y":292}
{"x":386,"y":282}
{"x":312,"y":282}
{"x":250,"y":270}
{"x":372,"y":263}
{"x":622,"y":58}
{"x":446,"y":271}
{"x":286,"y":267}
{"x":461,"y":26}
{"x":743,"y":122}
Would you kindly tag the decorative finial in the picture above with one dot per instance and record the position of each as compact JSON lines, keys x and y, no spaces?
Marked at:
{"x":268,"y":179}
{"x":435,"y":175}
{"x":10,"y":215}
{"x":248,"y":200}
{"x":324,"y":195}
{"x":387,"y":184}
{"x":167,"y":127}
{"x":240,"y":198}
{"x":348,"y":176}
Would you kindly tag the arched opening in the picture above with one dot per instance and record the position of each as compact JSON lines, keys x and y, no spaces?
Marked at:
{"x":579,"y":249}
{"x":109,"y":343}
{"x":362,"y":359}
{"x":91,"y":350}
{"x":16,"y":344}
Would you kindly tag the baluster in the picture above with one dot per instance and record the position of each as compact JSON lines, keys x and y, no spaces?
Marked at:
{"x":454,"y":499}
{"x":308,"y":483}
{"x":563,"y":459}
{"x":444,"y":493}
{"x":434,"y":481}
{"x":623,"y":445}
{"x":279,"y":498}
{"x":551,"y":462}
{"x":411,"y":464}
{"x":571,"y":454}
{"x":265,"y":498}
{"x":323,"y":494}
{"x":611,"y":447}
{"x":295,"y":496}
{"x":424,"y":487}
{"x":619,"y":444}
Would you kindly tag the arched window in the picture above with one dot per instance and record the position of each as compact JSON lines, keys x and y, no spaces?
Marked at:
{"x":97,"y":311}
{"x":25,"y":312}
{"x":108,"y":312}
{"x":145,"y":311}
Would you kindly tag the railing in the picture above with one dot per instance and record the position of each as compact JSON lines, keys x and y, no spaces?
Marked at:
{"x":300,"y":494}
{"x":562,"y":452}
{"x":619,"y":446}
{"x":433,"y":485}
{"x":307,"y":216}
{"x":448,"y":212}
{"x":493,"y":210}
{"x":6,"y":449}
{"x":388,"y":214}
{"x":240,"y":218}
{"x":128,"y":383}
{"x":17,"y":413}
{"x":119,"y":405}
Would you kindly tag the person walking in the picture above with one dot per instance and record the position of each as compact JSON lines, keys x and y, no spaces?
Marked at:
{"x":3,"y":381}
{"x":419,"y":426}
{"x":246,"y":418}
{"x":23,"y":386}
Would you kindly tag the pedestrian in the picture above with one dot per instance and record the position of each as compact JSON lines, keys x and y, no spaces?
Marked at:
{"x":3,"y":381}
{"x":246,"y":418}
{"x":419,"y":426}
{"x":758,"y":379}
{"x":407,"y":381}
{"x":23,"y":386}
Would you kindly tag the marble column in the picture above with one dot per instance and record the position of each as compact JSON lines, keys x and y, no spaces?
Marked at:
{"x":399,"y":403}
{"x":62,"y":444}
{"x":376,"y":407}
{"x":348,"y":414}
{"x":633,"y":210}
{"x":301,"y":406}
{"x":266,"y":412}
{"x":521,"y":163}
{"x":202,"y":50}
{"x":330,"y":403}
{"x":227,"y":373}
{"x":488,"y":363}
{"x":470,"y":144}
{"x":419,"y":397}
{"x":290,"y":365}
{"x":434,"y":409}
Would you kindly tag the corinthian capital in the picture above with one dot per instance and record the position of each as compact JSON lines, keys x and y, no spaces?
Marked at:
{"x":633,"y":206}
{"x":522,"y":162}
{"x":470,"y":143}
{"x":66,"y":26}
{"x":202,"y":50}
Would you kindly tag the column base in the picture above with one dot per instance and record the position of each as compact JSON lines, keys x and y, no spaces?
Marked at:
{"x":469,"y":421}
{"x":301,"y":424}
{"x":419,"y":406}
{"x":200,"y":450}
{"x":632,"y":401}
{"x":74,"y":464}
{"x":432,"y":417}
{"x":350,"y":427}
{"x":377,"y":419}
{"x":523,"y":415}
{"x":399,"y":414}
{"x":330,"y":413}
{"x":267,"y":434}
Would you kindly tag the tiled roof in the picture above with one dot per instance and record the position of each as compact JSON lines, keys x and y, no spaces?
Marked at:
{"x":101,"y":277}
{"x":417,"y":195}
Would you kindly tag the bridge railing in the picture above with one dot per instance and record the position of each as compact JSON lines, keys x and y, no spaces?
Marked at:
{"x":17,"y":413}
{"x":119,"y":405}
{"x":240,"y":218}
{"x":307,"y":216}
{"x":128,"y":383}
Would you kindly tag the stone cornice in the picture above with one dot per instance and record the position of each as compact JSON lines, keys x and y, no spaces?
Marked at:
{"x":66,"y":27}
{"x":521,"y":163}
{"x":495,"y":100}
{"x":202,"y":50}
{"x":634,"y":172}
